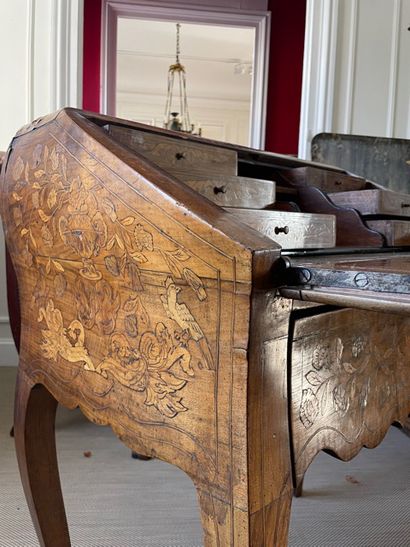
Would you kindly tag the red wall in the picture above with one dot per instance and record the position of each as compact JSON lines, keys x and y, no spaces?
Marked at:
{"x":91,"y":55}
{"x":285,"y":75}
{"x":285,"y":69}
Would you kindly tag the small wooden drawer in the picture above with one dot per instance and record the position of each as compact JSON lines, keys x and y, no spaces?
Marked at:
{"x":396,"y":232}
{"x":291,"y":230}
{"x":178,"y":156}
{"x":374,"y":202}
{"x":231,"y":191}
{"x":324,"y":179}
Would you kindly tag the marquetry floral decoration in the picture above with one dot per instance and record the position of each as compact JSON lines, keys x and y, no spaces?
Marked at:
{"x":72,"y":224}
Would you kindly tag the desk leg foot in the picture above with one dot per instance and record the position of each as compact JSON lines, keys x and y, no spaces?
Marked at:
{"x":34,"y":431}
{"x":226,"y":526}
{"x":299,"y":488}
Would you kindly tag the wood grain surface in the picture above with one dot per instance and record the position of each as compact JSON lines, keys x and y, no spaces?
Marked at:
{"x":374,"y":202}
{"x":131,"y":296}
{"x":234,"y":191}
{"x":396,"y":232}
{"x":291,"y":230}
{"x":343,"y":397}
{"x":180,"y":158}
{"x":157,"y":313}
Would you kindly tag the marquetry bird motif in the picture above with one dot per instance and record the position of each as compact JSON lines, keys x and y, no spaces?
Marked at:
{"x":181,"y":314}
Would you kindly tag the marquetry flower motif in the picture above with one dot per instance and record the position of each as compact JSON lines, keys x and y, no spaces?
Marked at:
{"x":321,"y":357}
{"x":309,"y":408}
{"x":338,"y":380}
{"x":97,"y":304}
{"x":357,"y":346}
{"x":159,"y":366}
{"x":80,"y":199}
{"x":175,"y":259}
{"x":18,"y":169}
{"x":101,"y":243}
{"x":66,"y":342}
{"x":82,"y":228}
{"x":332,"y":380}
{"x":85,"y":235}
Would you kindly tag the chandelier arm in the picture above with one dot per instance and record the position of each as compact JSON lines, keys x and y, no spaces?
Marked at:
{"x":186,"y":106}
{"x":170,"y":96}
{"x":167,"y":104}
{"x":181,"y":105}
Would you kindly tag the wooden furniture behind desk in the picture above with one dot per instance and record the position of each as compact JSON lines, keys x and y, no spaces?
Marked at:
{"x":199,"y":339}
{"x":12,"y":290}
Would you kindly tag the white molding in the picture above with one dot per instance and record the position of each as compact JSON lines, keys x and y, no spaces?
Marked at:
{"x":66,"y":53}
{"x":395,"y":39}
{"x":319,"y":67}
{"x":260,"y":21}
{"x":351,"y":68}
{"x":158,"y":98}
{"x":30,"y":60}
{"x":108,"y":68}
{"x":171,"y":56}
{"x":306,"y":77}
{"x":329,"y":76}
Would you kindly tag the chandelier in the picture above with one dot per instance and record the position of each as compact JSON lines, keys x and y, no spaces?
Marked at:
{"x":177,"y":117}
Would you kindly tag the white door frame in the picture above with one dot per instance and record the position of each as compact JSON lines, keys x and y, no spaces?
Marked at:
{"x":319,"y":64}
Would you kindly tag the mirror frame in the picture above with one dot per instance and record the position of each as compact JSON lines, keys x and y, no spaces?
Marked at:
{"x":259,"y":20}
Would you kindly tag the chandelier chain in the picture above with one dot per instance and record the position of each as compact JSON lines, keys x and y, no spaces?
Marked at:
{"x":177,"y":43}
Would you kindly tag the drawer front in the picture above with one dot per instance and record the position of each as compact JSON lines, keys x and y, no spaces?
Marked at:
{"x":291,"y":230}
{"x":374,"y":202}
{"x":396,"y":232}
{"x":326,"y":180}
{"x":350,"y":379}
{"x":178,"y":157}
{"x":231,"y":191}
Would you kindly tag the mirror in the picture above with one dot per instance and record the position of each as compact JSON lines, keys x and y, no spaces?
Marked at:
{"x":218,"y":62}
{"x":224,"y":56}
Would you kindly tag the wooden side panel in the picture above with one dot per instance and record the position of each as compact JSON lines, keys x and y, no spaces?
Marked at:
{"x":350,"y":382}
{"x":134,"y":309}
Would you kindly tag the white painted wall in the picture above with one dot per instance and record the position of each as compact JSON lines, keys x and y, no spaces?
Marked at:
{"x":219,"y":119}
{"x":356,"y":69}
{"x":41,"y":45}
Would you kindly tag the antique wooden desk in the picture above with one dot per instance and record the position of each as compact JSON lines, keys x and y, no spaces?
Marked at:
{"x":211,"y":303}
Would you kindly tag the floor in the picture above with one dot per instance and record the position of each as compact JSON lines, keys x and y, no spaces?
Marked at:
{"x":115,"y":501}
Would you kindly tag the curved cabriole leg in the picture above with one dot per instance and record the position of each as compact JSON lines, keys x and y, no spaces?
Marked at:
{"x":34,"y":431}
